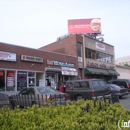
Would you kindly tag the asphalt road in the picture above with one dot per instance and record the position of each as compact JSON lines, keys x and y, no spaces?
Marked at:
{"x":125,"y":101}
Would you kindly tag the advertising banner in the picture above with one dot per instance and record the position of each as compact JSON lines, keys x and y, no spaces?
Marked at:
{"x":7,"y":56}
{"x":79,"y":26}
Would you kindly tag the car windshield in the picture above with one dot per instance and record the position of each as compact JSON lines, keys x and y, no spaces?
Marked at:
{"x":99,"y":84}
{"x":114,"y":86}
{"x":44,"y":90}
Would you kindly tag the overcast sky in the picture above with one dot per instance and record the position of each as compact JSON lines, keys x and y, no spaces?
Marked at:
{"x":35,"y":23}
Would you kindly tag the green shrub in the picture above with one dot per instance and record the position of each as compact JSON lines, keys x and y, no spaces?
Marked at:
{"x":64,"y":117}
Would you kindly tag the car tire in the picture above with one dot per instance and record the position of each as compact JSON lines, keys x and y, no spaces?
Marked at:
{"x":79,"y":97}
{"x":120,"y":97}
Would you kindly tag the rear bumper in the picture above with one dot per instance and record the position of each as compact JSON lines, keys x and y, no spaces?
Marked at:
{"x":102,"y":97}
{"x":121,"y":94}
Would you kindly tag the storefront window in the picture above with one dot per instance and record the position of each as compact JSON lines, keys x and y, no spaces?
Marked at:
{"x":2,"y":80}
{"x":50,"y":79}
{"x":21,"y":80}
{"x":31,"y":79}
{"x":66,"y":78}
{"x":99,"y":56}
{"x":10,"y":84}
{"x":39,"y":79}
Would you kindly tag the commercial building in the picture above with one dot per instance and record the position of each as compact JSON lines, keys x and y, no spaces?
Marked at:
{"x":95,"y":59}
{"x":123,"y":61}
{"x":22,"y":67}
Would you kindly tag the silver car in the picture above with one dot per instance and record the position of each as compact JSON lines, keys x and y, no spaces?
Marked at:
{"x":39,"y":95}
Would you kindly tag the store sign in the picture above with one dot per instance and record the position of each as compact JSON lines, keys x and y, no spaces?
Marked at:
{"x":80,"y":59}
{"x":7,"y":56}
{"x":100,"y":46}
{"x":99,"y":65}
{"x":31,"y":58}
{"x":69,"y":71}
{"x":59,"y":63}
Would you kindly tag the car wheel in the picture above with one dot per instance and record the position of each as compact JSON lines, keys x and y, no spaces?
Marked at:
{"x":34,"y":103}
{"x":80,"y":97}
{"x":120,"y":97}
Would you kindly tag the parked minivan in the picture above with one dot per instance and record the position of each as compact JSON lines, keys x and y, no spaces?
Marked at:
{"x":87,"y":89}
{"x":121,"y":82}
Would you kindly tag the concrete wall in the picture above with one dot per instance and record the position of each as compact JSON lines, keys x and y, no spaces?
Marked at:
{"x":123,"y":71}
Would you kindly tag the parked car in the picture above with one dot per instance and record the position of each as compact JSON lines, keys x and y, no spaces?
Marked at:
{"x":39,"y":95}
{"x":121,"y":82}
{"x":87,"y":89}
{"x":4,"y":100}
{"x":117,"y":90}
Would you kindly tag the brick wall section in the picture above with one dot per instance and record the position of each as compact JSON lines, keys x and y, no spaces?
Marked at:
{"x":66,"y":46}
{"x":32,"y":52}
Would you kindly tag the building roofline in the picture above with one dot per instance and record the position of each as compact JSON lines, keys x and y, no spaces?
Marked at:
{"x":38,"y":49}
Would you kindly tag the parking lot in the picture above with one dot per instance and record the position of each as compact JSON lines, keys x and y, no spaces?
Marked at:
{"x":125,"y":101}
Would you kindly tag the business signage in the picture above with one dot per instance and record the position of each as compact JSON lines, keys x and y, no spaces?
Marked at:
{"x":7,"y":56}
{"x":99,"y":65}
{"x":79,"y":26}
{"x":31,"y":58}
{"x":60,"y":63}
{"x":100,"y":46}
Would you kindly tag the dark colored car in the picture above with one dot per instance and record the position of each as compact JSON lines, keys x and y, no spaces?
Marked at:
{"x":117,"y":90}
{"x":38,"y":95}
{"x":4,"y":100}
{"x":87,"y":89}
{"x":121,"y":82}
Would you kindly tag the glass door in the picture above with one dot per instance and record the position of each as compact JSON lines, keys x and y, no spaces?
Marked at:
{"x":31,"y":79}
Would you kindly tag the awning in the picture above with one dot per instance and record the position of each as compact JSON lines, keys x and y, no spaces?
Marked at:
{"x":113,"y":72}
{"x":69,"y":71}
{"x":95,"y":71}
{"x":53,"y":69}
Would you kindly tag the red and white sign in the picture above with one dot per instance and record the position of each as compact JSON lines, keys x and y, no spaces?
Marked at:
{"x":79,"y":26}
{"x":100,"y":46}
{"x":69,"y":71}
{"x":7,"y":56}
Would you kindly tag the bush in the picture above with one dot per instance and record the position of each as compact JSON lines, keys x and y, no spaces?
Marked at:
{"x":64,"y":117}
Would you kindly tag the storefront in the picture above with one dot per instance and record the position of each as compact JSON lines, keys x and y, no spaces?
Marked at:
{"x":100,"y":70}
{"x":26,"y":67}
{"x":64,"y":71}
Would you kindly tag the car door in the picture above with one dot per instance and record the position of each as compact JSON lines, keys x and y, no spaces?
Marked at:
{"x":84,"y":90}
{"x":100,"y":88}
{"x":27,"y":96}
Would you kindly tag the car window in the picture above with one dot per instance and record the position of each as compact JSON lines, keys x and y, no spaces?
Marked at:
{"x":114,"y":86}
{"x":116,"y":82}
{"x":122,"y":83}
{"x":24,"y":92}
{"x":102,"y":83}
{"x":31,"y":91}
{"x":69,"y":85}
{"x":46,"y":90}
{"x":27,"y":91}
{"x":95,"y":83}
{"x":84,"y":84}
{"x":77,"y":85}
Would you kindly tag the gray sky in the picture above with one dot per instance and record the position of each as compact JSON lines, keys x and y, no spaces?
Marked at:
{"x":35,"y":23}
